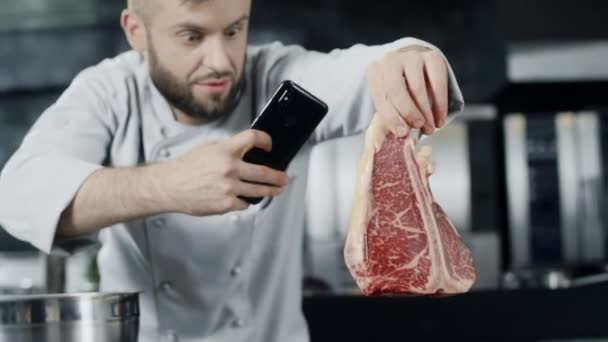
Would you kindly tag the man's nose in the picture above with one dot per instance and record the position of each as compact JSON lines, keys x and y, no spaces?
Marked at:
{"x":215,"y":55}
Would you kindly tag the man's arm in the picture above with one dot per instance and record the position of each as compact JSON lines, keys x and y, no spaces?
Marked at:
{"x":340,"y":79}
{"x":109,"y":196}
{"x":55,"y":183}
{"x":68,"y":142}
{"x":207,"y":181}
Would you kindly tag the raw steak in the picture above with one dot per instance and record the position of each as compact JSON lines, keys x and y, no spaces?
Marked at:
{"x":399,"y":239}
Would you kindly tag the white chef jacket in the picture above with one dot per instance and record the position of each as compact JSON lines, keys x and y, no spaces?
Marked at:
{"x":232,"y":277}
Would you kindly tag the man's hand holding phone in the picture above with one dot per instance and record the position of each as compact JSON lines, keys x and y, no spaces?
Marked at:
{"x":232,"y":174}
{"x":212,"y":178}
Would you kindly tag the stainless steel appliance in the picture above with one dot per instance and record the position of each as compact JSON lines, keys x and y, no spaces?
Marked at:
{"x":554,"y":189}
{"x":86,"y":317}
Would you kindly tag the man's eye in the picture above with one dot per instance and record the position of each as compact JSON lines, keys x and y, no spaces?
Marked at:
{"x":233,"y":31}
{"x":191,"y":36}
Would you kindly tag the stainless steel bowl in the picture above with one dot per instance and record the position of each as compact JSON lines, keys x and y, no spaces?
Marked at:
{"x":84,"y":317}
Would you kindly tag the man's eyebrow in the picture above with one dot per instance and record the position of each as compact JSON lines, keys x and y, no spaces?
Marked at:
{"x":240,"y":20}
{"x":197,"y":26}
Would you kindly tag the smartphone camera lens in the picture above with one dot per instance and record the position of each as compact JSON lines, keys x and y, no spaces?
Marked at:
{"x":285,"y":97}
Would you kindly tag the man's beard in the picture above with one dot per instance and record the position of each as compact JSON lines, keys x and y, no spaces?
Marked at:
{"x":180,"y":95}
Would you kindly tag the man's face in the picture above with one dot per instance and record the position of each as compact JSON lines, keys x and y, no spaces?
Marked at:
{"x":196,"y":52}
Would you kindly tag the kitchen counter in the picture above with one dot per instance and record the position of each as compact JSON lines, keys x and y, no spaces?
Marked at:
{"x":508,"y":315}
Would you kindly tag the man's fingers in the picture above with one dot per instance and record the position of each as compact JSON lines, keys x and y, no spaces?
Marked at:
{"x":436,"y":71}
{"x":246,"y":140}
{"x":393,"y":120}
{"x":398,"y":94}
{"x":262,"y":174}
{"x":390,"y":116}
{"x":237,"y":204}
{"x":416,"y":84}
{"x":246,"y":189}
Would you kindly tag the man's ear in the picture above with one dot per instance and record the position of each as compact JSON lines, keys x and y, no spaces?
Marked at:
{"x":135,"y":30}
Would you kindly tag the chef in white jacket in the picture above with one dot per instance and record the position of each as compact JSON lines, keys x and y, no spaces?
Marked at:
{"x":143,"y":152}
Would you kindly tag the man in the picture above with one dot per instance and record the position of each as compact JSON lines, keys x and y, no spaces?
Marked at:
{"x":150,"y":143}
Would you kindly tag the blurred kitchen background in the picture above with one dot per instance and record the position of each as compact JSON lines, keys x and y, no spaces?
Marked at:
{"x":520,"y":172}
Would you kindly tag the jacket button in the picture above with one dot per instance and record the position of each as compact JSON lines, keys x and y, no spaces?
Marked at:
{"x":169,"y":336}
{"x":166,"y":286}
{"x":165,"y":153}
{"x":235,"y":271}
{"x":164,"y":131}
{"x":238,"y":323}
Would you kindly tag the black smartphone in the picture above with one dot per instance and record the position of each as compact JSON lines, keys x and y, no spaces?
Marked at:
{"x":289,"y":117}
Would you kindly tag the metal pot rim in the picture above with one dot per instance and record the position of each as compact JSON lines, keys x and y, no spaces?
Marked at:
{"x":71,"y":307}
{"x":76,"y":296}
